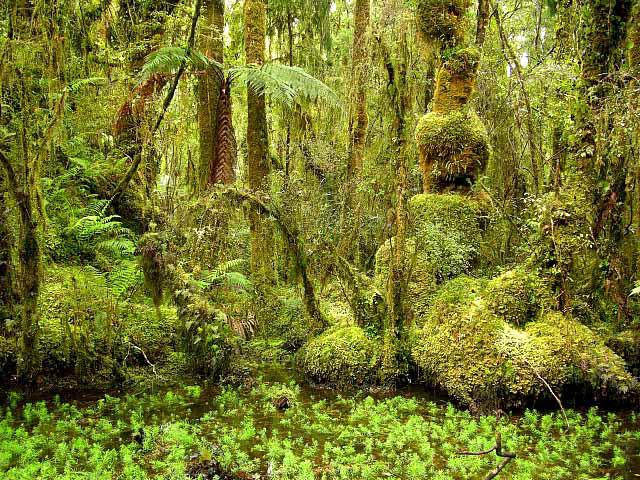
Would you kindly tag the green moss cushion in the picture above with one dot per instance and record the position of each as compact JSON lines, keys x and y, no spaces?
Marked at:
{"x":447,"y":233}
{"x":341,"y":356}
{"x":452,"y":144}
{"x":442,"y":20}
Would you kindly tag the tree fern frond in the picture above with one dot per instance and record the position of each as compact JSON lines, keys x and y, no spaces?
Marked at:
{"x":86,"y":82}
{"x":286,"y":85}
{"x":169,"y":59}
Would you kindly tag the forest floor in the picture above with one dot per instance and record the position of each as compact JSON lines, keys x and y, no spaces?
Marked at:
{"x":240,"y":430}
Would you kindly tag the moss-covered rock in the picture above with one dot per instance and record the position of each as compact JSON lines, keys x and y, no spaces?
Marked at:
{"x":442,"y":21}
{"x":447,"y":233}
{"x":454,"y":148}
{"x":478,"y":357}
{"x":341,"y":357}
{"x":518,"y":296}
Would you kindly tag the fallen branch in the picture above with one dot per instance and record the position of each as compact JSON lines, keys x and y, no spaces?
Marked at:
{"x":546,"y":384}
{"x":135,"y":347}
{"x":507,"y":457}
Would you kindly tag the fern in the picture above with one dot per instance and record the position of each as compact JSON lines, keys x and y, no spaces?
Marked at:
{"x":281,"y":83}
{"x":103,"y":233}
{"x":225,"y":275}
{"x":124,"y":277}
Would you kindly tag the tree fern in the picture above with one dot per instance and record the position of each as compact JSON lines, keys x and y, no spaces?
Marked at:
{"x":281,"y":83}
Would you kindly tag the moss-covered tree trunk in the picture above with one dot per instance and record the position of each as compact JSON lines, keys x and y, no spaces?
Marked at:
{"x":7,"y":267}
{"x":359,"y":119}
{"x":605,"y":28}
{"x":209,"y":85}
{"x":398,"y":91}
{"x":358,"y":122}
{"x":257,"y":140}
{"x":29,"y":256}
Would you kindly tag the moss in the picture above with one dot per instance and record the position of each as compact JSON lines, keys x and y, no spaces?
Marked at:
{"x":455,"y":80}
{"x":477,"y":357}
{"x":627,"y":345}
{"x":154,"y":331}
{"x":341,"y":356}
{"x":565,"y":352}
{"x":457,"y":348}
{"x":442,"y":21}
{"x":453,"y":147}
{"x":285,"y":317}
{"x":422,"y":283}
{"x":518,"y":296}
{"x":447,"y":232}
{"x":7,"y":358}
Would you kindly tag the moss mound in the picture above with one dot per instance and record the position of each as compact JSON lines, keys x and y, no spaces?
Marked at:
{"x":285,"y":317}
{"x":518,"y":296}
{"x":478,"y":357}
{"x":447,"y":233}
{"x":442,"y":20}
{"x":454,"y":147}
{"x":341,"y":357}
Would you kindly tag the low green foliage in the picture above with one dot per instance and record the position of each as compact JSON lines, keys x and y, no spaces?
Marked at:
{"x":317,"y":437}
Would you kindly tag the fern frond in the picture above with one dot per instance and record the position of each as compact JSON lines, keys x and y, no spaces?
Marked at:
{"x":286,"y":85}
{"x":169,"y":59}
{"x":124,"y":277}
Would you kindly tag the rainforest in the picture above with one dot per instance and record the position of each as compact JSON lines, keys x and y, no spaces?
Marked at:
{"x":319,"y":239}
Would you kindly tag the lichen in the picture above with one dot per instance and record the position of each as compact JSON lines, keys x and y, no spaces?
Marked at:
{"x":341,"y":357}
{"x":454,"y":147}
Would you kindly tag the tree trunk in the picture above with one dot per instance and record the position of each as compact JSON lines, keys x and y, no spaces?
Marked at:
{"x":257,"y":139}
{"x":209,"y":87}
{"x":397,"y":88}
{"x":7,"y":267}
{"x":29,"y":256}
{"x":359,"y":63}
{"x":482,"y":18}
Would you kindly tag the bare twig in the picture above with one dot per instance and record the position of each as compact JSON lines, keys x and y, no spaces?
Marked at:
{"x":507,"y":457}
{"x":135,"y":347}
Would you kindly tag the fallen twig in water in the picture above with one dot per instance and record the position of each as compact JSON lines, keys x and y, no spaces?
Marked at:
{"x":507,"y":457}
